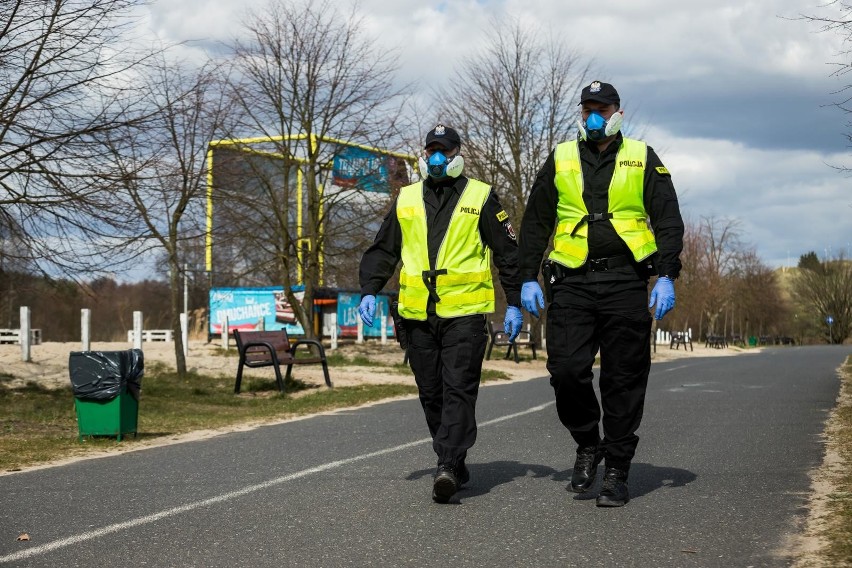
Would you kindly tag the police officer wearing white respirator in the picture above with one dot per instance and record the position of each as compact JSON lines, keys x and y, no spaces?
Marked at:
{"x":445,"y":230}
{"x":617,"y":223}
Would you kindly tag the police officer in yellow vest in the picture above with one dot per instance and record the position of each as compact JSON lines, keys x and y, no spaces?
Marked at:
{"x":445,"y":230}
{"x":617,"y":223}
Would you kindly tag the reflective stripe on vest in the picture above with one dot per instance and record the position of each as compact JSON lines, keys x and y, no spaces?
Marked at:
{"x":626,"y":189}
{"x":466,"y":288}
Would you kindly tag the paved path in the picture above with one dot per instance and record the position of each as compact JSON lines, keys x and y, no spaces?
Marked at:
{"x":720,"y":479}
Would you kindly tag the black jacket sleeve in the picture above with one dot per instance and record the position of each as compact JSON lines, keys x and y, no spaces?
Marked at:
{"x":539,"y":221}
{"x":497,"y":233}
{"x":379,"y":261}
{"x":664,"y":211}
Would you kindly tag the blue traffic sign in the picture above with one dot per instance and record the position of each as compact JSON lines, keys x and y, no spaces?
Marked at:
{"x":829,"y":320}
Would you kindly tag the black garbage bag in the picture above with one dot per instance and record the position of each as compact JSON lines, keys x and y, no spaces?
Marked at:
{"x":103,"y":375}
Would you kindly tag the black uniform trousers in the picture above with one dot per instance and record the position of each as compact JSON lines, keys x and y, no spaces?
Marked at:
{"x":612,"y":316}
{"x":446,"y":356}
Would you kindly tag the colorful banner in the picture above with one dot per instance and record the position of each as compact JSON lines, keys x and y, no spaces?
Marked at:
{"x":246,"y":307}
{"x":355,"y":167}
{"x":347,"y":316}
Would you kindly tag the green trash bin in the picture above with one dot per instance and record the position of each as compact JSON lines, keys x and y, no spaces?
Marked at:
{"x":752,"y":341}
{"x":106,"y":388}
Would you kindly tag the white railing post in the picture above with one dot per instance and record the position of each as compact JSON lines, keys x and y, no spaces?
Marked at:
{"x":226,"y":339}
{"x":26,"y":340}
{"x":543,"y":338}
{"x":360,"y":326}
{"x":85,"y":328}
{"x":137,"y":330}
{"x":334,"y":330}
{"x":184,"y":333}
{"x":383,"y":324}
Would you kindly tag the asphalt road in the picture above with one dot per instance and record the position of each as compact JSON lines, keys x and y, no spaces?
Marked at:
{"x":720,"y":478}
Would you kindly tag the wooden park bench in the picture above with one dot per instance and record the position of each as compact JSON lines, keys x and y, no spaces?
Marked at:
{"x":501,"y":339}
{"x":681,"y":338}
{"x":274,"y":349}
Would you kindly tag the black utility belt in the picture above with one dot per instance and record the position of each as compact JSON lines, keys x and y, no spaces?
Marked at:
{"x":591,"y":265}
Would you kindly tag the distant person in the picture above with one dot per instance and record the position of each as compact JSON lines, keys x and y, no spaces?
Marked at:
{"x":617,"y":223}
{"x":444,"y":229}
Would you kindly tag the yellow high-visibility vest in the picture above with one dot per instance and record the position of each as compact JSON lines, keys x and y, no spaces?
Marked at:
{"x":462,"y":274}
{"x":626,"y":206}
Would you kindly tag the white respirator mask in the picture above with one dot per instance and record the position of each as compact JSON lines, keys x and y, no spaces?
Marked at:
{"x":438,"y":166}
{"x":596,"y":128}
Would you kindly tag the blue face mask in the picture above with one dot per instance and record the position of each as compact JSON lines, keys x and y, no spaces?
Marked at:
{"x":437,"y":165}
{"x":597,"y":128}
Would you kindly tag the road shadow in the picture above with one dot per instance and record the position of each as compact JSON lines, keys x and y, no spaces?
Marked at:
{"x":644,"y":478}
{"x":486,"y":476}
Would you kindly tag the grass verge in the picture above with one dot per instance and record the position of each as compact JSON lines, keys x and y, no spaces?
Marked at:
{"x":838,"y":525}
{"x":39,"y":425}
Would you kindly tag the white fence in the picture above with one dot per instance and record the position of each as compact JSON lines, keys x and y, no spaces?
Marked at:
{"x":14,"y":336}
{"x":152,"y":335}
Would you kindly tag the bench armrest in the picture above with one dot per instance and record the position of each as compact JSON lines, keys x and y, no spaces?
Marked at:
{"x":524,"y":337}
{"x":308,"y":343}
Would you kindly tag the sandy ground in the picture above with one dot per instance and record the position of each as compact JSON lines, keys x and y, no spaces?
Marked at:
{"x":48,"y":365}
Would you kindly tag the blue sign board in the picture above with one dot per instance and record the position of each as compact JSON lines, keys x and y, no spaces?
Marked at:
{"x":347,"y":314}
{"x":354,"y":167}
{"x":246,"y":307}
{"x":348,"y":317}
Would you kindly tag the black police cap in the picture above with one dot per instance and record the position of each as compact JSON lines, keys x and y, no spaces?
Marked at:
{"x":600,"y":92}
{"x":445,"y":136}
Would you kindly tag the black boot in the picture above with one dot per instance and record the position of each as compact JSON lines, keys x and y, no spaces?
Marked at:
{"x":585,"y":469}
{"x":614,"y":491}
{"x":445,"y":484}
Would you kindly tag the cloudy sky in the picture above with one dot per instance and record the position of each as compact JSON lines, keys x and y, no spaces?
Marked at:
{"x":736,"y":96}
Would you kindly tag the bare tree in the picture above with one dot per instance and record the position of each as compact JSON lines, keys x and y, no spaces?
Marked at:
{"x":307,"y":75}
{"x":63,"y":85}
{"x":710,"y":257}
{"x":689,"y":284}
{"x":514,"y":102}
{"x":755,"y":298}
{"x":160,"y":170}
{"x":823,"y":290}
{"x":718,"y":260}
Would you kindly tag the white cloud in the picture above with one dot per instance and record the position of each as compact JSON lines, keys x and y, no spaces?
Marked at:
{"x":788,"y":202}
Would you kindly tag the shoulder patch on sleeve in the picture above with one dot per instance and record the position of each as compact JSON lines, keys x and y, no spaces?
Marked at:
{"x":662,"y":171}
{"x":502,"y":216}
{"x":509,"y":230}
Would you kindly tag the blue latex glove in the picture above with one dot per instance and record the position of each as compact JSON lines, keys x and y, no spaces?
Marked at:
{"x":367,"y":309}
{"x":512,"y":322}
{"x":663,"y":295}
{"x":531,"y":297}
